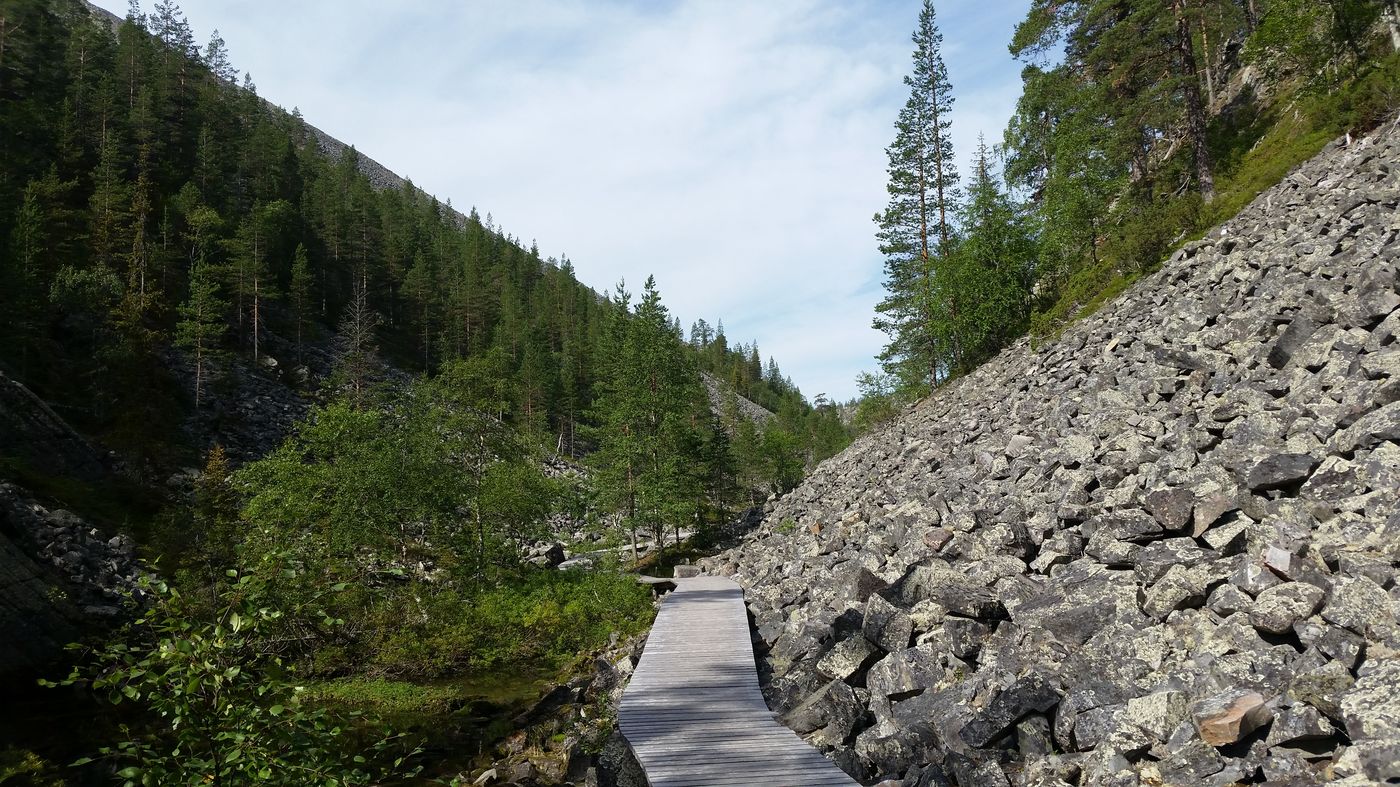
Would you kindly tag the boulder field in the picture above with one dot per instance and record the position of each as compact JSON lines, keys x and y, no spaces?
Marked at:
{"x":1160,"y":548}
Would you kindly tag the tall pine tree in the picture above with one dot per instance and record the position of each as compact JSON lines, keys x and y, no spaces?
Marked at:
{"x":916,"y":234}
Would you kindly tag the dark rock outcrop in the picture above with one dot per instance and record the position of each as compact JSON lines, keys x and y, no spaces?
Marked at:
{"x":1159,"y":549}
{"x":34,"y":436}
{"x":58,"y":576}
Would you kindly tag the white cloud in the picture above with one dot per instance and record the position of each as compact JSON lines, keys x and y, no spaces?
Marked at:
{"x":735,"y":149}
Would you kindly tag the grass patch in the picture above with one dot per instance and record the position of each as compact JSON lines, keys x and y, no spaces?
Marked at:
{"x":388,"y":698}
{"x":538,"y":623}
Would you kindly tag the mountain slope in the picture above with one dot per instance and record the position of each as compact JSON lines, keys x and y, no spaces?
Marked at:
{"x":1159,"y":549}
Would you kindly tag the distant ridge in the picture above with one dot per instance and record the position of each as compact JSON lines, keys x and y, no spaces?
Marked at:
{"x":380,"y":176}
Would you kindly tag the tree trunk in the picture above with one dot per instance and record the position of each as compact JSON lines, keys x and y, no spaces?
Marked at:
{"x":257,"y":317}
{"x":1251,"y":15}
{"x":1392,"y":21}
{"x":198,"y":372}
{"x":1205,"y":58}
{"x":1195,"y":111}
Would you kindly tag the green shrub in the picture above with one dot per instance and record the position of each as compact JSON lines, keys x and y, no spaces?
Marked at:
{"x":224,"y":707}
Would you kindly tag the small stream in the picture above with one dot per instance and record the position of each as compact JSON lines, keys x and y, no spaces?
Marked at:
{"x":464,"y":735}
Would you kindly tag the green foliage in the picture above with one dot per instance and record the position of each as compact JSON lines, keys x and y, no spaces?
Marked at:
{"x":351,"y":480}
{"x":541,"y":620}
{"x":651,"y":409}
{"x":1316,"y":40}
{"x":878,"y":401}
{"x":1097,"y":143}
{"x":516,"y":498}
{"x":22,"y":768}
{"x":201,"y":326}
{"x":228,"y":711}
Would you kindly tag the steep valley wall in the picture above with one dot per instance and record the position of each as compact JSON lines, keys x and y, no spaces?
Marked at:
{"x":1159,"y":549}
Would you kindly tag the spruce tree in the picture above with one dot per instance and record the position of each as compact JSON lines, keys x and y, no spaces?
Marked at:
{"x":301,"y":294}
{"x":916,"y":230}
{"x":994,"y":265}
{"x":201,"y":326}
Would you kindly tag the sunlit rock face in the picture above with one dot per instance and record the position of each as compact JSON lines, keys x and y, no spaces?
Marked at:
{"x":1159,"y":548}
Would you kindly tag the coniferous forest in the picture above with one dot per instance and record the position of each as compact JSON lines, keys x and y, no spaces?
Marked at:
{"x":353,"y":432}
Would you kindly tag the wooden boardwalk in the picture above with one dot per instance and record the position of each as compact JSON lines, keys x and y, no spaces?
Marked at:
{"x":693,"y":712}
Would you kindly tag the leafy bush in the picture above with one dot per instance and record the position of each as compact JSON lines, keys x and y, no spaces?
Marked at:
{"x":224,"y":707}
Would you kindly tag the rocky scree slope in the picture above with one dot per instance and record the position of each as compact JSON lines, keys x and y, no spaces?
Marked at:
{"x":1160,"y":549}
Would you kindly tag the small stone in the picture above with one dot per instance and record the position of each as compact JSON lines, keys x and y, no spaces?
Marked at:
{"x":1299,"y":723}
{"x":1171,"y":507}
{"x":905,"y":674}
{"x":1031,"y":694}
{"x":1159,"y":713}
{"x":1227,"y":717}
{"x":1322,"y":687}
{"x":1371,"y":708}
{"x":1359,"y":604}
{"x":1179,"y":588}
{"x":851,"y":655}
{"x":1227,"y":539}
{"x":965,"y":636}
{"x":1208,"y":510}
{"x":1253,"y":578}
{"x":937,"y":537}
{"x":1278,"y":608}
{"x":952,"y":590}
{"x":1372,"y":429}
{"x":886,"y":625}
{"x":1133,"y":526}
{"x":1156,"y":559}
{"x":1227,"y":599}
{"x":1077,"y":449}
{"x":1017,"y":445}
{"x":833,"y":709}
{"x":1280,"y":470}
{"x":863,"y":583}
{"x":1279,"y":561}
{"x":1291,"y":341}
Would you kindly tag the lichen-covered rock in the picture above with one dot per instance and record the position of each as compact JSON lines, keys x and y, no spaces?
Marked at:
{"x":1030,"y":694}
{"x":850,"y":656}
{"x":58,"y":576}
{"x":1278,"y":608}
{"x":1371,"y":707}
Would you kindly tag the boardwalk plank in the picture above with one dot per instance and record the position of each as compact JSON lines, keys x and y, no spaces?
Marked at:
{"x":693,"y":711}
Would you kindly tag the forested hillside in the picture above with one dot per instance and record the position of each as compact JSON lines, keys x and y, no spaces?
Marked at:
{"x":1141,"y":123}
{"x":337,"y":415}
{"x":150,"y":204}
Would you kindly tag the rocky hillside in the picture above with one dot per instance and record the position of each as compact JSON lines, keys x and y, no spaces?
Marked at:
{"x":1160,"y":549}
{"x":718,"y":392}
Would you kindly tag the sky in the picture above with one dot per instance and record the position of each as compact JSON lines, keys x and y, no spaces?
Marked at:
{"x":733,"y":148}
